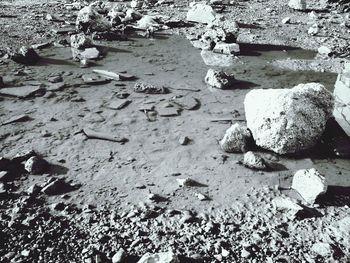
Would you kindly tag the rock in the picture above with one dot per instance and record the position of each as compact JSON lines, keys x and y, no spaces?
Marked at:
{"x":286,"y":20}
{"x":55,"y":79}
{"x":93,"y":79}
{"x":201,"y":197}
{"x":285,"y":203}
{"x":185,"y":102}
{"x":309,"y":183}
{"x":219,"y":79}
{"x":33,"y":189}
{"x":89,"y":20}
{"x":18,"y":118}
{"x":36,"y":165}
{"x":201,"y":13}
{"x":164,"y":257}
{"x":142,"y":87}
{"x":297,"y":4}
{"x":119,"y":256}
{"x":90,"y":53}
{"x":236,"y":139}
{"x":119,"y":104}
{"x":56,"y":186}
{"x":23,"y":92}
{"x":288,"y":120}
{"x":324,"y":51}
{"x":226,"y":48}
{"x":344,"y":225}
{"x":147,"y":22}
{"x":2,"y":84}
{"x":186,"y":182}
{"x":4,"y":175}
{"x":26,"y":55}
{"x":323,"y":249}
{"x":80,"y":41}
{"x":342,"y":97}
{"x":184,"y":140}
{"x":254,"y":161}
{"x":313,"y":30}
{"x":168,"y":112}
{"x":217,"y":60}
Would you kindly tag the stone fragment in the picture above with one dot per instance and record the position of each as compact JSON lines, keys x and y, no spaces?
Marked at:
{"x":309,"y":183}
{"x":219,"y":79}
{"x":168,"y":112}
{"x":18,"y":118}
{"x":297,"y":4}
{"x":119,"y":104}
{"x":184,"y":140}
{"x":324,"y":51}
{"x":201,"y":197}
{"x":56,"y":186}
{"x":254,"y":161}
{"x":80,"y":41}
{"x":186,"y":182}
{"x":36,"y":165}
{"x":286,"y":204}
{"x":25,"y":55}
{"x":236,"y":139}
{"x":163,"y":257}
{"x":313,"y":30}
{"x":286,"y":20}
{"x":342,"y":101}
{"x":217,"y":60}
{"x":288,"y":120}
{"x":93,"y":79}
{"x":142,"y":87}
{"x":185,"y":102}
{"x":119,"y":256}
{"x":201,"y":13}
{"x":323,"y":249}
{"x":89,"y":20}
{"x":226,"y":48}
{"x":90,"y":53}
{"x":4,"y":175}
{"x":23,"y":92}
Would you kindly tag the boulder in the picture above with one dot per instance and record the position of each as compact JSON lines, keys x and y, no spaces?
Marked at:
{"x":164,"y":257}
{"x":201,"y":13}
{"x":219,"y":79}
{"x":297,"y":4}
{"x":89,"y":20}
{"x":342,"y":101}
{"x":288,"y":120}
{"x":236,"y":139}
{"x":309,"y":183}
{"x":80,"y":41}
{"x":254,"y":161}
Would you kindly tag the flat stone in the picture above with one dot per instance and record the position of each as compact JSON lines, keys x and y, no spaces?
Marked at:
{"x":185,"y":102}
{"x":119,"y":104}
{"x":94,"y":79}
{"x":309,"y":183}
{"x":217,"y":60}
{"x":22,"y":92}
{"x":164,"y":257}
{"x":168,"y":112}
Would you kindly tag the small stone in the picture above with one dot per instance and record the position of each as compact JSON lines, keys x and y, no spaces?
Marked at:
{"x":285,"y":203}
{"x":119,"y":104}
{"x":164,"y":257}
{"x":186,"y":182}
{"x":36,"y":165}
{"x":324,"y":51}
{"x":142,"y":87}
{"x":297,"y":4}
{"x":56,"y":186}
{"x":33,"y":190}
{"x":219,"y":79}
{"x":4,"y":175}
{"x":90,"y":53}
{"x":254,"y":161}
{"x":25,"y":253}
{"x":184,"y":140}
{"x":168,"y":112}
{"x":55,"y":79}
{"x":201,"y":196}
{"x":25,"y":55}
{"x":313,"y":30}
{"x":119,"y":256}
{"x":323,"y":249}
{"x":286,"y":20}
{"x":309,"y":183}
{"x":236,"y":139}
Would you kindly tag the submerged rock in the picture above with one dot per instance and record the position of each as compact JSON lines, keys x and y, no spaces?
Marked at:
{"x":164,"y":257}
{"x":201,"y":13}
{"x":219,"y":79}
{"x":236,"y":139}
{"x":309,"y":183}
{"x":254,"y":161}
{"x":288,"y":120}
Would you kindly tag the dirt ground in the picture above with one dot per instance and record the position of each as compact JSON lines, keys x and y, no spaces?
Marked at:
{"x":109,"y":208}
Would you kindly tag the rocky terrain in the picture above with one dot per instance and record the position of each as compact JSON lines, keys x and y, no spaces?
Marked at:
{"x":171,"y":131}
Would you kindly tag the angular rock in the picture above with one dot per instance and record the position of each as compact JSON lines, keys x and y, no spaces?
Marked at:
{"x":142,"y":87}
{"x":168,"y":112}
{"x":80,"y":41}
{"x":119,"y":256}
{"x":217,"y":60}
{"x":323,"y":249}
{"x":184,"y":140}
{"x":119,"y":104}
{"x":254,"y":161}
{"x":342,"y":97}
{"x":90,"y":53}
{"x":89,"y":20}
{"x":201,"y":13}
{"x":288,"y":120}
{"x":26,"y":56}
{"x":297,"y":4}
{"x":309,"y":183}
{"x":219,"y":79}
{"x":164,"y":257}
{"x":36,"y":165}
{"x":285,"y":203}
{"x":56,"y":186}
{"x":236,"y":139}
{"x":226,"y":48}
{"x":22,"y":92}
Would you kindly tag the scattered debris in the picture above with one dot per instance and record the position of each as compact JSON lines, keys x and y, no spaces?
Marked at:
{"x":309,"y":183}
{"x":288,"y":120}
{"x":236,"y":139}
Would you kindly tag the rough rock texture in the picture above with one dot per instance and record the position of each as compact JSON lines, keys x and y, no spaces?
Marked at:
{"x":226,"y":48}
{"x":288,"y":120}
{"x":201,"y":13}
{"x":219,"y":79}
{"x":254,"y":161}
{"x":36,"y":165}
{"x":165,"y":257}
{"x":236,"y":139}
{"x":89,"y":20}
{"x":80,"y":41}
{"x":342,"y":101}
{"x":309,"y":183}
{"x":297,"y":4}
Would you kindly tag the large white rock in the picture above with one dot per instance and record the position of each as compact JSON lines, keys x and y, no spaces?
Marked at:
{"x":236,"y":139}
{"x":165,"y":257}
{"x":201,"y":13}
{"x":288,"y":120}
{"x":309,"y":183}
{"x":342,"y":101}
{"x":297,"y":4}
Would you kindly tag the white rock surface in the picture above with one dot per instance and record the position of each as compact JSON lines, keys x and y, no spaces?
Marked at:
{"x":165,"y":257}
{"x":288,"y":120}
{"x":236,"y":139}
{"x":286,"y":204}
{"x":226,"y":48}
{"x":297,"y":4}
{"x":219,"y":79}
{"x":309,"y":183}
{"x":342,"y":101}
{"x":201,"y":13}
{"x":323,"y":249}
{"x":217,"y":60}
{"x":254,"y":161}
{"x":80,"y":41}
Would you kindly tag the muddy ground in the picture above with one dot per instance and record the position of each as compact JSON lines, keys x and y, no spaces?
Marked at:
{"x":107,"y":207}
